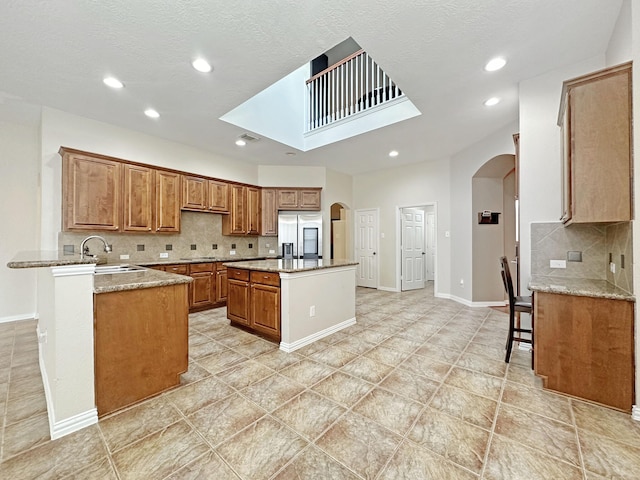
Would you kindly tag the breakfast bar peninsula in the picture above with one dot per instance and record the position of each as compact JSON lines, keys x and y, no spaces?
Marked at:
{"x":294,"y":302}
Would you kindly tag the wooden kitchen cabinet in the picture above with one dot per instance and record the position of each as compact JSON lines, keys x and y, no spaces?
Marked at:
{"x":221,"y":283}
{"x":238,"y":296}
{"x":203,"y":287}
{"x":253,"y":211}
{"x":91,"y":192}
{"x":141,"y":344}
{"x":218,"y":196}
{"x":299,"y":199}
{"x":166,"y":216}
{"x":204,"y":195}
{"x":595,"y":118}
{"x":137,"y":198}
{"x":269,"y":224}
{"x":244,"y":216}
{"x":584,"y":347}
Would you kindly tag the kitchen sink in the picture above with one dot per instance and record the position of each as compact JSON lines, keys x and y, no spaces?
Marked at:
{"x":108,"y":269}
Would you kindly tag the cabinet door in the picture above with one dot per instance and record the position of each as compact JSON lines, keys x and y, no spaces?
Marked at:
{"x":221,"y":286}
{"x":218,"y":196}
{"x":309,"y":199}
{"x":236,"y":222}
{"x":269,"y":225}
{"x":238,"y":301}
{"x":253,"y":211}
{"x":265,"y":309}
{"x":138,"y":198}
{"x":167,"y":202}
{"x":91,"y":193}
{"x":194,"y":193}
{"x":202,"y":290}
{"x":287,"y":199}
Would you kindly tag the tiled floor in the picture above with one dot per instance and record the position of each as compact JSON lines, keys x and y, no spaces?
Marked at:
{"x":418,"y":389}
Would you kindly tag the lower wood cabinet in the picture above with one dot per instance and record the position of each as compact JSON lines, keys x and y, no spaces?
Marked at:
{"x":141,"y":344}
{"x":254,"y":301}
{"x":221,"y":283}
{"x":203,"y":287}
{"x":584,"y":347}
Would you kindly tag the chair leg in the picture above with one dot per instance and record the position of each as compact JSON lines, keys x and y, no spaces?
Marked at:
{"x":507,"y":357}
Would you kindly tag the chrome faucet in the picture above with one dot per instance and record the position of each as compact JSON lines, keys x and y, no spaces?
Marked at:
{"x":84,"y":249}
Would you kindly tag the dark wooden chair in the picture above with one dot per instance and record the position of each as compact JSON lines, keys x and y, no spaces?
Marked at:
{"x":516,"y":304}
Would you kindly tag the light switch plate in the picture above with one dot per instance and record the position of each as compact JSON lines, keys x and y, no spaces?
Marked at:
{"x":164,"y":255}
{"x":272,"y":251}
{"x":124,"y":256}
{"x":557,"y":264}
{"x":232,"y":252}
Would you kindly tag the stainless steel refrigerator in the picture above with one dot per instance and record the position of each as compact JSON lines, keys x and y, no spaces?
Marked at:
{"x":300,"y":235}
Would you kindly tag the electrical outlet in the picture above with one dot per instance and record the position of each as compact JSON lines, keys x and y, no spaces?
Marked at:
{"x":124,"y":256}
{"x":164,"y":255}
{"x":272,"y":251}
{"x":312,"y":311}
{"x":462,"y":282}
{"x":612,"y":267}
{"x":232,"y":252}
{"x":557,"y":264}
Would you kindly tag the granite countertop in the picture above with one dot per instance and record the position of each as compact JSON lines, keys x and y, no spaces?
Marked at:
{"x":175,"y":261}
{"x":147,"y":278}
{"x":290,"y":266}
{"x":582,"y":287}
{"x":44,"y":258}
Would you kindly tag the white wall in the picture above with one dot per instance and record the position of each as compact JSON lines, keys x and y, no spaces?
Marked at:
{"x":463,"y":166}
{"x":540,"y":156}
{"x":408,"y":185}
{"x":64,"y":129}
{"x":619,"y":49}
{"x":19,"y":163}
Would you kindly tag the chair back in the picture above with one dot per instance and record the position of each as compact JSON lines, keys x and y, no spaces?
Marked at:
{"x":506,"y":279}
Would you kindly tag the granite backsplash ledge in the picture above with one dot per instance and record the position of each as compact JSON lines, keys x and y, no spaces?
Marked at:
{"x":553,"y":241}
{"x":200,"y":236}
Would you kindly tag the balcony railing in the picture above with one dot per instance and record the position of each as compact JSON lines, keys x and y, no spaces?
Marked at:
{"x":348,"y":88}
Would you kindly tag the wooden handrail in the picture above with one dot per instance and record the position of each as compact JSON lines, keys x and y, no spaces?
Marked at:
{"x":335,"y":65}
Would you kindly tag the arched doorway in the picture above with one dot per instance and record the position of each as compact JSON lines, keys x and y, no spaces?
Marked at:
{"x":340,"y":232}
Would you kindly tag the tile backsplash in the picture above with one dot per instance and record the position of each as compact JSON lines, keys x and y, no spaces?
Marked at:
{"x":553,"y":241}
{"x":200,"y":236}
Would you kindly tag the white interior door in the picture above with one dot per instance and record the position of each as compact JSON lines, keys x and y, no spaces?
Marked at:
{"x":366,"y":246}
{"x":413,"y":249}
{"x":430,"y":245}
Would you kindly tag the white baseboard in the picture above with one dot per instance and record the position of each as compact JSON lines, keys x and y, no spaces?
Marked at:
{"x":17,"y":318}
{"x":58,"y":429}
{"x":635,"y":413}
{"x":290,"y":347}
{"x":469,"y":303}
{"x":388,"y":289}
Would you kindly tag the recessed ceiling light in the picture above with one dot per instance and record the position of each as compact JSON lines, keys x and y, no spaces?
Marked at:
{"x":495,"y":64}
{"x":393,"y":153}
{"x":151,"y":113}
{"x":201,"y":65}
{"x":113,"y":82}
{"x":491,"y":102}
{"x":240,"y":142}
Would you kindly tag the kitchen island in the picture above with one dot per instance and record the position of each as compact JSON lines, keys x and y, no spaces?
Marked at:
{"x":294,"y":302}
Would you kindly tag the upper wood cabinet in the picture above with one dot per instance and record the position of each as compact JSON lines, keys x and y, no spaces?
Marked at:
{"x":91,"y":189}
{"x":595,"y":117}
{"x":299,"y":199}
{"x":244,"y":217}
{"x":167,"y":201}
{"x":205,"y":195}
{"x":254,"y":202}
{"x":269,"y":225}
{"x":137,"y":198}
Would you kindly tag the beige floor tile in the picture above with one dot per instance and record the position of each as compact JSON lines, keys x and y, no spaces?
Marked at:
{"x":160,"y":453}
{"x":24,"y":387}
{"x":235,"y":337}
{"x":412,"y":462}
{"x":427,"y":367}
{"x":309,"y":414}
{"x":392,"y":411}
{"x":479,"y":383}
{"x":126,"y":427}
{"x":524,"y":375}
{"x":373,"y":336}
{"x":314,"y":464}
{"x":538,"y":401}
{"x":465,"y":405}
{"x":25,"y":434}
{"x":438,"y":352}
{"x":278,"y":359}
{"x":246,"y":454}
{"x":410,"y":385}
{"x":483,"y":364}
{"x":344,"y":389}
{"x":401,"y":344}
{"x":221,"y":420}
{"x":496,"y":352}
{"x":102,"y":469}
{"x":458,"y":441}
{"x":609,"y":458}
{"x":244,"y":374}
{"x":25,"y":407}
{"x":387,"y":356}
{"x":360,"y":444}
{"x":606,"y":422}
{"x":271,"y":392}
{"x":356,"y":345}
{"x":367,"y":369}
{"x":197,"y":395}
{"x":307,"y":372}
{"x":255,"y":348}
{"x":333,"y":356}
{"x":205,"y":349}
{"x":510,"y":460}
{"x":219,"y":362}
{"x":451,"y":341}
{"x":194,"y":373}
{"x":540,"y":433}
{"x":208,"y":466}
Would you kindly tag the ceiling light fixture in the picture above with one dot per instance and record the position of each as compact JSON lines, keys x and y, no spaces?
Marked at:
{"x":201,"y":65}
{"x":240,"y":142}
{"x":112,"y":82}
{"x":393,"y":153}
{"x":495,"y":64}
{"x":151,"y":113}
{"x":491,"y":102}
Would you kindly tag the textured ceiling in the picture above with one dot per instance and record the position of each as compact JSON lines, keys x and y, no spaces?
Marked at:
{"x":56,"y":52}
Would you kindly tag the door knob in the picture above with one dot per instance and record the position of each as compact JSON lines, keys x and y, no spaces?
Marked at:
{"x":374,"y":253}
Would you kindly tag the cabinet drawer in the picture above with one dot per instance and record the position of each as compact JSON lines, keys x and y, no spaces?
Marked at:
{"x":201,"y":267}
{"x":220,"y":267}
{"x":266,"y":278}
{"x":236,"y":274}
{"x":179,"y":269}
